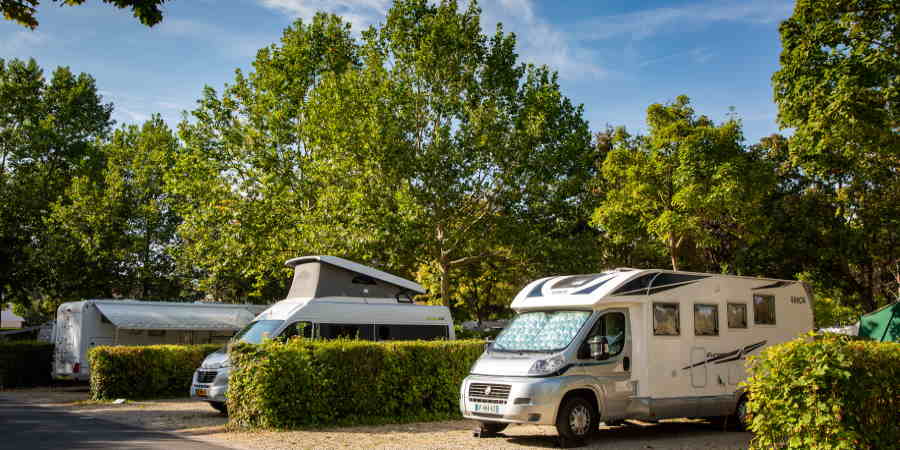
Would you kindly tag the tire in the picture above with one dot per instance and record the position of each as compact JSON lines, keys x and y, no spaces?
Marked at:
{"x":220,"y":406}
{"x":577,"y":420}
{"x":741,"y":419}
{"x":489,"y":428}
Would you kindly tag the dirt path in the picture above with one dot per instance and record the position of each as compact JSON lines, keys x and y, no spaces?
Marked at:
{"x":199,"y":421}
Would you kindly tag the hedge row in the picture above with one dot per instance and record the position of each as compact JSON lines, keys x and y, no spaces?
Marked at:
{"x":145,"y":372}
{"x":25,"y":363}
{"x":341,"y":382}
{"x":831,"y":392}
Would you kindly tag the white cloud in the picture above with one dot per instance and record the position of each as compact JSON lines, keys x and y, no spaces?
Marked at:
{"x":360,"y":13}
{"x":644,"y":24}
{"x":237,"y":45}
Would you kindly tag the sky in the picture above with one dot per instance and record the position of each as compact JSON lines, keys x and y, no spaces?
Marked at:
{"x":616,"y":57}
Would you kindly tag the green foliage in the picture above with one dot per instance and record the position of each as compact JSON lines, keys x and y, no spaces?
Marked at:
{"x":829,"y":392}
{"x":22,"y":11}
{"x":314,"y":383}
{"x":688,"y":181}
{"x":838,"y":89}
{"x":145,"y":372}
{"x":25,"y":363}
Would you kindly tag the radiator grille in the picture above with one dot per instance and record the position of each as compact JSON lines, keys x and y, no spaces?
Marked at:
{"x":479,"y":391}
{"x":204,"y":376}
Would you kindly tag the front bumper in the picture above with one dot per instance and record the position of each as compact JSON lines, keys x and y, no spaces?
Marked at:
{"x":213,"y":391}
{"x":530,"y":400}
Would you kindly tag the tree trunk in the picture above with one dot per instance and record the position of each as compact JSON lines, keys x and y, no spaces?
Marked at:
{"x":673,"y":252}
{"x":444,"y":266}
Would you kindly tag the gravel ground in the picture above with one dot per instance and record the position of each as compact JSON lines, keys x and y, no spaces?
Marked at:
{"x":198,"y":420}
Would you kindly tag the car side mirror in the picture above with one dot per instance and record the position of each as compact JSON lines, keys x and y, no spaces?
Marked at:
{"x":599,"y":347}
{"x":488,"y":345}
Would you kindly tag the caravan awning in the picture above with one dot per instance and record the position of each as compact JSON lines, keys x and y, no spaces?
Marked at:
{"x":174,"y":317}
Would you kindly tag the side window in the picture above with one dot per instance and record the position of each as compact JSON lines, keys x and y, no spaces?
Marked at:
{"x":763,"y":309}
{"x":347,"y":331}
{"x":611,"y":326}
{"x":706,"y":320}
{"x":411,"y":332}
{"x":666,"y":320}
{"x":298,"y":329}
{"x":737,"y":315}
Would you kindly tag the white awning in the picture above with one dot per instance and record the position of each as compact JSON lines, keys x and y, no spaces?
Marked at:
{"x":175,"y":317}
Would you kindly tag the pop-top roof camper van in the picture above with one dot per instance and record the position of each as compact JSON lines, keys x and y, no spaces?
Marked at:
{"x":329,"y":298}
{"x":628,"y":343}
{"x":83,"y":325}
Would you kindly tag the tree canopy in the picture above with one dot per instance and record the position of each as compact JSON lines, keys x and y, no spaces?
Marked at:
{"x":148,"y":12}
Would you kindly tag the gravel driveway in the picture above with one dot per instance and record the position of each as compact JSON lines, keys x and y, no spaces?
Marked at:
{"x":198,"y":420}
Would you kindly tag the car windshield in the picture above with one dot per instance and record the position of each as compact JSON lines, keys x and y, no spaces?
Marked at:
{"x":541,"y":331}
{"x":255,"y":332}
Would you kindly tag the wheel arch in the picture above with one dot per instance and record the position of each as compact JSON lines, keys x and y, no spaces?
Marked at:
{"x":589,"y":394}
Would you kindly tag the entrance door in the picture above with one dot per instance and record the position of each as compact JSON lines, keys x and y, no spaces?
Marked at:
{"x":612,"y":374}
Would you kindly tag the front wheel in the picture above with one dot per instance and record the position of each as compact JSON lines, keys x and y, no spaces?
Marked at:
{"x":741,"y":418}
{"x":490,"y":428}
{"x":220,"y":406}
{"x":576,"y":420}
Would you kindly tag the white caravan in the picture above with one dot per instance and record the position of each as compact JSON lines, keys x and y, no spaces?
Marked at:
{"x":83,"y":325}
{"x":329,"y":298}
{"x":629,"y":343}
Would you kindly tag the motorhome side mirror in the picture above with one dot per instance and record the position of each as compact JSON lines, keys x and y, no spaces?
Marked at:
{"x":488,"y":344}
{"x":599,"y":347}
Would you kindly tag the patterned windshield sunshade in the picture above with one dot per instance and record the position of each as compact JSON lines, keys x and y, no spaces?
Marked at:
{"x":541,"y":331}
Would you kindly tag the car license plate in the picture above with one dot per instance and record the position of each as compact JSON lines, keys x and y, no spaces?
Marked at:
{"x":486,"y":408}
{"x":202,"y":393}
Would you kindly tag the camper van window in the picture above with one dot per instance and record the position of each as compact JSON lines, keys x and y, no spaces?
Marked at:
{"x":297,"y":329}
{"x":737,"y":315}
{"x":706,"y":320}
{"x":611,"y":326}
{"x":347,"y":331}
{"x":541,"y":331}
{"x":411,"y":332}
{"x":666,"y":319}
{"x":763,"y":309}
{"x":256,"y":331}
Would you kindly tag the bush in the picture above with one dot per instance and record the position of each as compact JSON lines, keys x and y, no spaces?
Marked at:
{"x":829,"y":392}
{"x":145,"y":372}
{"x":25,"y":363}
{"x":342,"y":382}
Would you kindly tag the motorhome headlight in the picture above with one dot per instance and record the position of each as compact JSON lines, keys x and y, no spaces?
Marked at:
{"x":547,"y":366}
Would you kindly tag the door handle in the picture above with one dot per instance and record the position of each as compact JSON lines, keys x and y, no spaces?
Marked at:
{"x":626,"y":363}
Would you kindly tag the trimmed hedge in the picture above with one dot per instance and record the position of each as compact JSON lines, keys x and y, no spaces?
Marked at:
{"x":25,"y":363}
{"x":827,"y":392}
{"x":153,"y":371}
{"x":341,"y":382}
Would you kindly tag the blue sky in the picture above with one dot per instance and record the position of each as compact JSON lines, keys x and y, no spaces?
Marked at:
{"x":614,"y":56}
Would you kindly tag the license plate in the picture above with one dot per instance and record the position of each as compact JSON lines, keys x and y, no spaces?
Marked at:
{"x":486,"y":408}
{"x":202,"y":393}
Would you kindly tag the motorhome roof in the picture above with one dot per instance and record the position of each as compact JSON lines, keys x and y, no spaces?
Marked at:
{"x":588,"y":290}
{"x":358,"y":268}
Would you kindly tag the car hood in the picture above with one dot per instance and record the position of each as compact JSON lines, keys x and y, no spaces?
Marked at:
{"x":215,"y":360}
{"x":506,"y":364}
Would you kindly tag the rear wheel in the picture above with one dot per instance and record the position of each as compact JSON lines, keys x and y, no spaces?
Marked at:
{"x":220,"y":406}
{"x":741,"y":418}
{"x":577,"y":419}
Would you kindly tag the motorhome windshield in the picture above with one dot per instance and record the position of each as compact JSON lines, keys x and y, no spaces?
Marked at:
{"x":254,"y":332}
{"x":541,"y":331}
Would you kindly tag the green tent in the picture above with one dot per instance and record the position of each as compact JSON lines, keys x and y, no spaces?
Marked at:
{"x":882,"y":325}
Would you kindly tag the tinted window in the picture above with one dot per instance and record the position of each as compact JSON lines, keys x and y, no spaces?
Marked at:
{"x":764,"y":309}
{"x":706,"y":320}
{"x":737,"y":315}
{"x":348,"y":331}
{"x":611,"y":326}
{"x":666,"y":319}
{"x":411,"y":332}
{"x":641,"y":282}
{"x":255,"y":332}
{"x":297,"y":329}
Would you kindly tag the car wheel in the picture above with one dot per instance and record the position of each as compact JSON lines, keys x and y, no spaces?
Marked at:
{"x":220,"y":406}
{"x":489,"y":428}
{"x":741,"y":418}
{"x":576,"y":420}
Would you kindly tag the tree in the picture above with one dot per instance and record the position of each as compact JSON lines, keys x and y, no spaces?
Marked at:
{"x":48,"y":131}
{"x":457,"y":147}
{"x":838,"y":88}
{"x":689,"y":181}
{"x":122,"y":221}
{"x":148,"y":12}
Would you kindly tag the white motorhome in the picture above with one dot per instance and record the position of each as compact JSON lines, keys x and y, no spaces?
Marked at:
{"x":329,"y":298}
{"x":83,"y":325}
{"x":629,"y":344}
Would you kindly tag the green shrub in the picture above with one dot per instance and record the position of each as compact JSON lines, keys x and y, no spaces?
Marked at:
{"x":311,"y":383}
{"x":145,"y":372}
{"x":828,"y":392}
{"x":25,"y":363}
